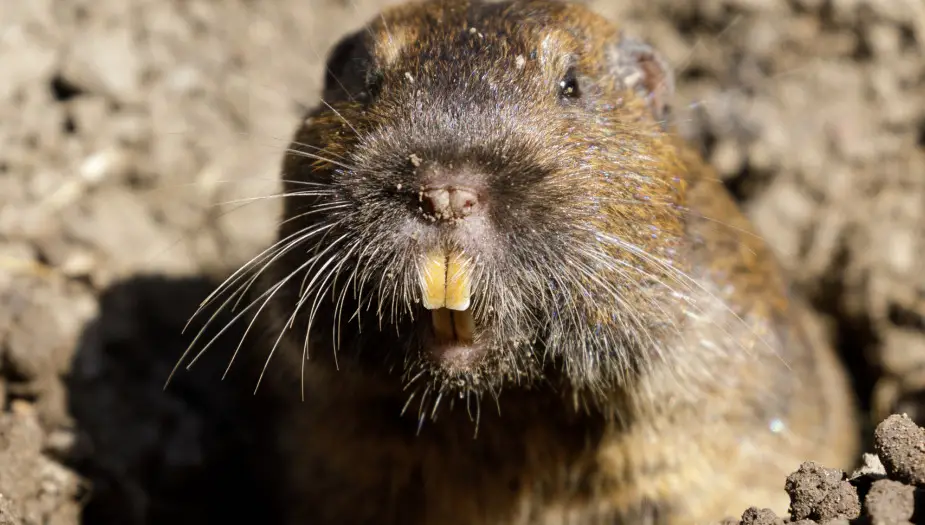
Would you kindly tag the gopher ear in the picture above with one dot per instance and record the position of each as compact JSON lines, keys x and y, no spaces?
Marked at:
{"x":638,"y":66}
{"x":346,"y":65}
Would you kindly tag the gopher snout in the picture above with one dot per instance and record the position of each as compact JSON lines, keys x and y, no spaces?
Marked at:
{"x":449,"y":202}
{"x":448,"y":195}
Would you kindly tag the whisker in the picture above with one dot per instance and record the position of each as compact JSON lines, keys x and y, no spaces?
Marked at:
{"x":202,"y":330}
{"x":313,"y":156}
{"x":276,"y":196}
{"x":237,"y":274}
{"x":671,"y":269}
{"x":319,"y":149}
{"x":276,"y":287}
{"x":341,"y":117}
{"x":281,"y":253}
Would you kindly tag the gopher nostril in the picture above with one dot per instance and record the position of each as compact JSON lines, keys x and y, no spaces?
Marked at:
{"x":448,"y":203}
{"x":436,"y":201}
{"x":463,"y":201}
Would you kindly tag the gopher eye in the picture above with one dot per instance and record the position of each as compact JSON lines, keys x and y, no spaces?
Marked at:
{"x":373,"y":83}
{"x":568,"y":86}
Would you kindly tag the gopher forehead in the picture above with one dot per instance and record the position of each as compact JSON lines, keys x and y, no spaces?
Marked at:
{"x":463,"y":30}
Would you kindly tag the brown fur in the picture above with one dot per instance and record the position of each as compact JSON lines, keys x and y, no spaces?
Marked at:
{"x":702,"y":389}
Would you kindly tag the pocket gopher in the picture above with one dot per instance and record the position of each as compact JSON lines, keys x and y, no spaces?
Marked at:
{"x":511,"y":294}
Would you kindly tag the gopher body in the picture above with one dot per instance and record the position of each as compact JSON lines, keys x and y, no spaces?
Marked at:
{"x":510,"y":294}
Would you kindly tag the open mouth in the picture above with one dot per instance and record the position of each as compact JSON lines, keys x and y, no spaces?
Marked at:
{"x":446,"y":286}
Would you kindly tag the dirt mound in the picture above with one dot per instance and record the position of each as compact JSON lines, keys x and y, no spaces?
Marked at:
{"x":132,"y":129}
{"x":890,"y":484}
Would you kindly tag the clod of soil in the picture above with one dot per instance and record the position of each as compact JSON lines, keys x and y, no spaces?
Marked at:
{"x":890,"y":501}
{"x":821,"y":494}
{"x":756,"y":516}
{"x":871,"y":467}
{"x":900,"y":443}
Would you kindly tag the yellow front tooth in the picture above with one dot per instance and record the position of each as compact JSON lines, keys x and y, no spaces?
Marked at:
{"x":458,"y":281}
{"x":433,"y":277}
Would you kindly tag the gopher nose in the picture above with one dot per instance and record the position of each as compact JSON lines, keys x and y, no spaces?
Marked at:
{"x":449,"y":203}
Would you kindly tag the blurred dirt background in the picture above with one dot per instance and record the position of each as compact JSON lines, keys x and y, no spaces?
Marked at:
{"x":131,"y":130}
